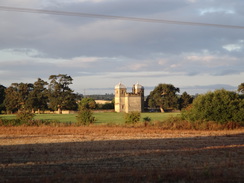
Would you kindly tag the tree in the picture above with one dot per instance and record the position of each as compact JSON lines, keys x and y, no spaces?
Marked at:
{"x":164,"y":97}
{"x":38,"y":97}
{"x":88,"y":103}
{"x":220,"y":106}
{"x":241,"y":88}
{"x":60,"y":95}
{"x":11,"y":101}
{"x":23,"y":91}
{"x":185,"y":100}
{"x":85,"y":115}
{"x":2,"y":97}
{"x":17,"y":95}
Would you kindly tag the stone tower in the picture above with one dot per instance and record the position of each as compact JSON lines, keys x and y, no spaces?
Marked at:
{"x":127,"y":102}
{"x":119,"y":99}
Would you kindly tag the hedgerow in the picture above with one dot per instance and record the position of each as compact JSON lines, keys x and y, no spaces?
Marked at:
{"x":220,"y":106}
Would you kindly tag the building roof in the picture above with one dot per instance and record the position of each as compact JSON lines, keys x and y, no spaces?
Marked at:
{"x":119,"y":86}
{"x":138,"y":86}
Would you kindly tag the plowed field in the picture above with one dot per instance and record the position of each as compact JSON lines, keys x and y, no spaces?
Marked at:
{"x":120,"y":154}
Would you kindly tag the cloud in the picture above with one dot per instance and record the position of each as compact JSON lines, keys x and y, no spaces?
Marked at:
{"x":212,"y":60}
{"x":235,"y":47}
{"x":215,"y":10}
{"x":105,"y":51}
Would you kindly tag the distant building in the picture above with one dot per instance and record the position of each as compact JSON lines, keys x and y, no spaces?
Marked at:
{"x":128,"y":102}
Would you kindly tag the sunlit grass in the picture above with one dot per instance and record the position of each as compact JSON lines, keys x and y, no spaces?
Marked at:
{"x":101,"y":117}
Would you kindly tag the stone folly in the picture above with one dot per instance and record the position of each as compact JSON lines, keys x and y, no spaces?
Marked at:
{"x":128,"y":102}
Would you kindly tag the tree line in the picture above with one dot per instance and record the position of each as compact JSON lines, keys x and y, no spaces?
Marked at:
{"x":165,"y":97}
{"x":40,"y":95}
{"x":57,"y":96}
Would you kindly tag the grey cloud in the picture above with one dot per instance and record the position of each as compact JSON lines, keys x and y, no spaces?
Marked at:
{"x":225,"y":72}
{"x":138,"y":39}
{"x":122,"y":46}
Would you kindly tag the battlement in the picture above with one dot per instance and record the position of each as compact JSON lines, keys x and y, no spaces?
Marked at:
{"x":129,"y":101}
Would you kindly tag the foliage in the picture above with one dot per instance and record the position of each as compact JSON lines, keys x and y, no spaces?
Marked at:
{"x":26,"y":95}
{"x":164,"y":97}
{"x":132,"y":117}
{"x":87,"y":103}
{"x":241,"y":88}
{"x":106,"y":106}
{"x":38,"y":97}
{"x":17,"y":96}
{"x":147,"y":119}
{"x":220,"y":106}
{"x":60,"y":95}
{"x":2,"y":97}
{"x":25,"y":116}
{"x":85,"y":116}
{"x":36,"y":122}
{"x":176,"y":123}
{"x":106,"y":96}
{"x":109,"y":105}
{"x":185,"y":100}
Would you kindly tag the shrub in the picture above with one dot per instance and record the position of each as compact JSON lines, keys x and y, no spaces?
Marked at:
{"x":10,"y":122}
{"x":146,"y":120}
{"x":25,"y":116}
{"x":220,"y":106}
{"x":132,"y":117}
{"x":85,"y":116}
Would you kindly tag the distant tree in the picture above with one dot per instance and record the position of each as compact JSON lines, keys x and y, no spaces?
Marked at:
{"x":60,"y":95}
{"x":79,"y":96}
{"x":185,"y":100}
{"x":11,"y":99}
{"x":2,"y":97}
{"x":241,"y":88}
{"x":101,"y":97}
{"x":164,"y":97}
{"x":17,"y":95}
{"x":106,"y":106}
{"x":88,"y":103}
{"x":38,"y":97}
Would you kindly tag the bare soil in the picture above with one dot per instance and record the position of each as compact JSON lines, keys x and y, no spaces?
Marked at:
{"x":120,"y":154}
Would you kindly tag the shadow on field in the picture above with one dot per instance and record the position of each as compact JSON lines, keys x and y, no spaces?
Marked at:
{"x":214,"y":159}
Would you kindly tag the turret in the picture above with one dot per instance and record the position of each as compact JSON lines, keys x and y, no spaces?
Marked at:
{"x":119,"y":100}
{"x":138,"y":89}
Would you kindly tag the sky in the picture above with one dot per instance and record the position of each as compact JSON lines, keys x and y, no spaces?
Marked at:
{"x":98,"y":53}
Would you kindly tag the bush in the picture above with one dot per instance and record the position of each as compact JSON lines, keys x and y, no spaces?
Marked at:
{"x":85,"y":116}
{"x":220,"y":106}
{"x":10,"y":122}
{"x":176,"y":123}
{"x":25,"y":116}
{"x":132,"y":117}
{"x":146,"y":120}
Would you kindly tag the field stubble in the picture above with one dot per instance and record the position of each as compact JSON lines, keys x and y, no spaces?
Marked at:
{"x":120,"y":154}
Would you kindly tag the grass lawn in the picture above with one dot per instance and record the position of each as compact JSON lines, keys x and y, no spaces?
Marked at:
{"x":101,"y":117}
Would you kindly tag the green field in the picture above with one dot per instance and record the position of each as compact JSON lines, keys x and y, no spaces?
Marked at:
{"x":101,"y":117}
